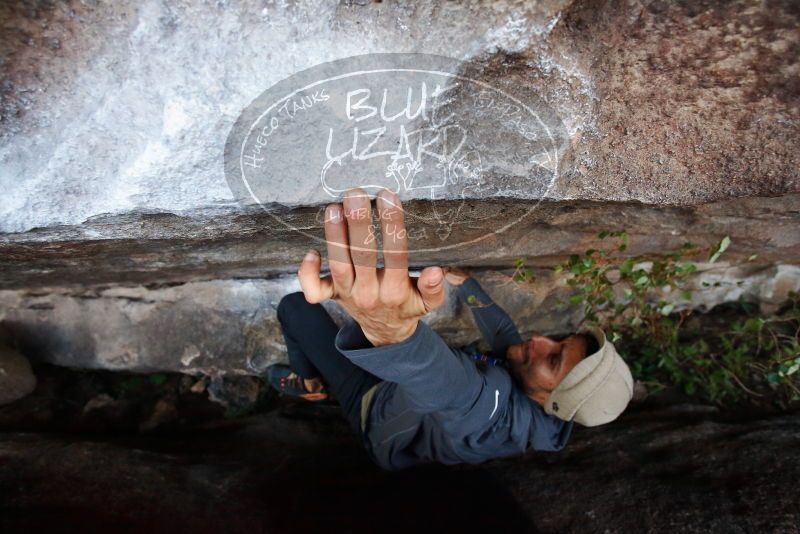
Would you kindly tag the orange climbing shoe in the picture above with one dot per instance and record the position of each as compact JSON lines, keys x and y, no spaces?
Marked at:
{"x":286,"y":382}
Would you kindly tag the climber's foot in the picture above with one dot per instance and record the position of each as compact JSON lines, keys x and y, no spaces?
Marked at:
{"x":286,"y":382}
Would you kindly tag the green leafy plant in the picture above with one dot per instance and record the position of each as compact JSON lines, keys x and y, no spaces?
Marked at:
{"x":642,"y":303}
{"x":522,"y":273}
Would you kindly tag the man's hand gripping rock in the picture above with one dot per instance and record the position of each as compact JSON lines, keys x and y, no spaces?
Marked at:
{"x":387,"y":303}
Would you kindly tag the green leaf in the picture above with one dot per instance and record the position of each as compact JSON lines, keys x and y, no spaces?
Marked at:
{"x":582,"y":266}
{"x":158,"y":379}
{"x":628,"y":292}
{"x":667,"y":309}
{"x":686,"y":295}
{"x":472,"y":299}
{"x":626,"y":267}
{"x":721,"y":247}
{"x":754,"y":324}
{"x":752,"y":257}
{"x":576,"y":299}
{"x":133,"y":382}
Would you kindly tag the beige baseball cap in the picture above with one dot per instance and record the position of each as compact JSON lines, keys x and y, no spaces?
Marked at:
{"x":597,"y":390}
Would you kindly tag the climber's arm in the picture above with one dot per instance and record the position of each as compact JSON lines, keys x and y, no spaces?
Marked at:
{"x":497,"y":328}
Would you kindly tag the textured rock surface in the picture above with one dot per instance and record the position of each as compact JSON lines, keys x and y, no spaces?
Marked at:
{"x":229,"y":326}
{"x":684,"y":468}
{"x":93,"y":127}
{"x":666,"y":103}
{"x":158,"y":248}
{"x":122,"y":246}
{"x":16,"y":377}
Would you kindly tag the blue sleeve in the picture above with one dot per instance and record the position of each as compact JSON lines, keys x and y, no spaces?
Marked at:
{"x":496,"y":326}
{"x":550,"y":433}
{"x":433,"y":377}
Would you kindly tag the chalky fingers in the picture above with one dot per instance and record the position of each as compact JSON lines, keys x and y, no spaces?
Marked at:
{"x":339,"y":261}
{"x":361,"y":234}
{"x":395,"y":282}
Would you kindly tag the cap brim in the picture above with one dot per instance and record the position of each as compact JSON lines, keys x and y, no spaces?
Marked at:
{"x":598,"y":334}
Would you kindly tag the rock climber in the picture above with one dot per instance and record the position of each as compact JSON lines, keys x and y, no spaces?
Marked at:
{"x":410,"y":397}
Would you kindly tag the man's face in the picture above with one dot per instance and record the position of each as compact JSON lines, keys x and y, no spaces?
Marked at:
{"x":540,"y":363}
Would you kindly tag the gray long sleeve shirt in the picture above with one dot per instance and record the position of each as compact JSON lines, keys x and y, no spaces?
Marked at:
{"x":436,"y":404}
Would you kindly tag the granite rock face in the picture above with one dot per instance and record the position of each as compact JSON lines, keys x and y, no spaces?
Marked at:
{"x":229,"y":327}
{"x":122,"y":242}
{"x":684,"y":468}
{"x":117,"y":107}
{"x":122,"y":247}
{"x":168,"y":248}
{"x":16,"y":376}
